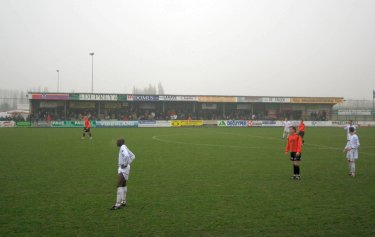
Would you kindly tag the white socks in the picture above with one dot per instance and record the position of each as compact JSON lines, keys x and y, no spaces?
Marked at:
{"x":352,"y":167}
{"x":285,"y":135}
{"x":125,"y":190}
{"x":120,"y":194}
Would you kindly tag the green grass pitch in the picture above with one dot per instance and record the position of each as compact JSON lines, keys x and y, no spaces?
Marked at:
{"x":184,"y":182}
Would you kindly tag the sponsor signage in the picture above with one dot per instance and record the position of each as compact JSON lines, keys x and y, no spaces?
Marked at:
{"x":42,"y":124}
{"x":73,"y":96}
{"x":310,"y":100}
{"x":186,"y":123}
{"x":103,"y":97}
{"x":147,"y":124}
{"x":71,"y":124}
{"x":255,"y":123}
{"x":121,"y":97}
{"x":269,"y":123}
{"x":7,"y":124}
{"x":115,"y":123}
{"x":235,"y":123}
{"x":168,"y":97}
{"x":249,"y":99}
{"x":275,"y":100}
{"x":318,"y":123}
{"x":97,"y":97}
{"x":366,"y":123}
{"x":217,"y":99}
{"x":47,"y":96}
{"x":354,"y":112}
{"x":221,"y":123}
{"x":154,"y":124}
{"x":163,"y":124}
{"x":142,"y":97}
{"x":177,"y":98}
{"x":187,"y":98}
{"x":23,"y":124}
{"x":340,"y":123}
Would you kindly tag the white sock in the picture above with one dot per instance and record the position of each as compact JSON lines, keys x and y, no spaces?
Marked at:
{"x":119,"y":196}
{"x":352,"y":167}
{"x":125,"y":190}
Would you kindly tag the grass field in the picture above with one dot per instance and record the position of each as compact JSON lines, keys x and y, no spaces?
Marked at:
{"x":184,"y":182}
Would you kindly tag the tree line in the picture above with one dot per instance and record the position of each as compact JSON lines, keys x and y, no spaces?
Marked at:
{"x":12,"y":99}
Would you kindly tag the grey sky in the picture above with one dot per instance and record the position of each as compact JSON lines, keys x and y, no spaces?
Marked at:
{"x":221,"y":47}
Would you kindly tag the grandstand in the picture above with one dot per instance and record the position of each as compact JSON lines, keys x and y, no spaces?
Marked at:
{"x":72,"y":106}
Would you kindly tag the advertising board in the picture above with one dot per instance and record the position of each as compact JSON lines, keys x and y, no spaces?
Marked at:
{"x":7,"y":124}
{"x":116,"y":123}
{"x":186,"y":123}
{"x":23,"y":124}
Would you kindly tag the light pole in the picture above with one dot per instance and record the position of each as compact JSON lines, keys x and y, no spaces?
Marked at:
{"x":92,"y":72}
{"x":58,"y":79}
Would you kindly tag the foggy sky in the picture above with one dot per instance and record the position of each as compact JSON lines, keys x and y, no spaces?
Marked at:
{"x":193,"y":47}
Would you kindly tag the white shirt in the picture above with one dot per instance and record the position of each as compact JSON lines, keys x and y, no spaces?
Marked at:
{"x":125,"y":156}
{"x":287,"y":126}
{"x":347,"y":130}
{"x":353,"y":142}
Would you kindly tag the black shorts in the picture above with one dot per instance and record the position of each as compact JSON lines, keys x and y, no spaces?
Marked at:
{"x":294,"y":157}
{"x":86,"y":129}
{"x":301,"y":133}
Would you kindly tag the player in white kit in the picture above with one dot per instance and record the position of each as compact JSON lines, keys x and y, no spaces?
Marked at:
{"x":287,"y":125}
{"x":351,"y":150}
{"x":346,"y":128}
{"x":125,"y":157}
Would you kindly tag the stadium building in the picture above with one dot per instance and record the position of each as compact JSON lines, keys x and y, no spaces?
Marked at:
{"x":72,"y":106}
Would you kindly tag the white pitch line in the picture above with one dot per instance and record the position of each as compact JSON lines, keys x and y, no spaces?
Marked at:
{"x":203,"y":144}
{"x":245,"y":147}
{"x":309,"y":144}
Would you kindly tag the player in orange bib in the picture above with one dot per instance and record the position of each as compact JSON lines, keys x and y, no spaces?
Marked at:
{"x":294,"y":146}
{"x":301,"y":131}
{"x":87,"y":127}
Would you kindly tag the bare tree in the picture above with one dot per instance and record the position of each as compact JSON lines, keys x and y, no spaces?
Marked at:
{"x":160,"y":89}
{"x":149,"y":90}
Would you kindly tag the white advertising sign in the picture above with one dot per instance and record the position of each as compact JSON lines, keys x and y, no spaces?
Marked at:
{"x":275,"y":100}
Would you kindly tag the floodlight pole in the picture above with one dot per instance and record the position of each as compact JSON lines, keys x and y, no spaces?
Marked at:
{"x":92,"y":72}
{"x":58,"y":79}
